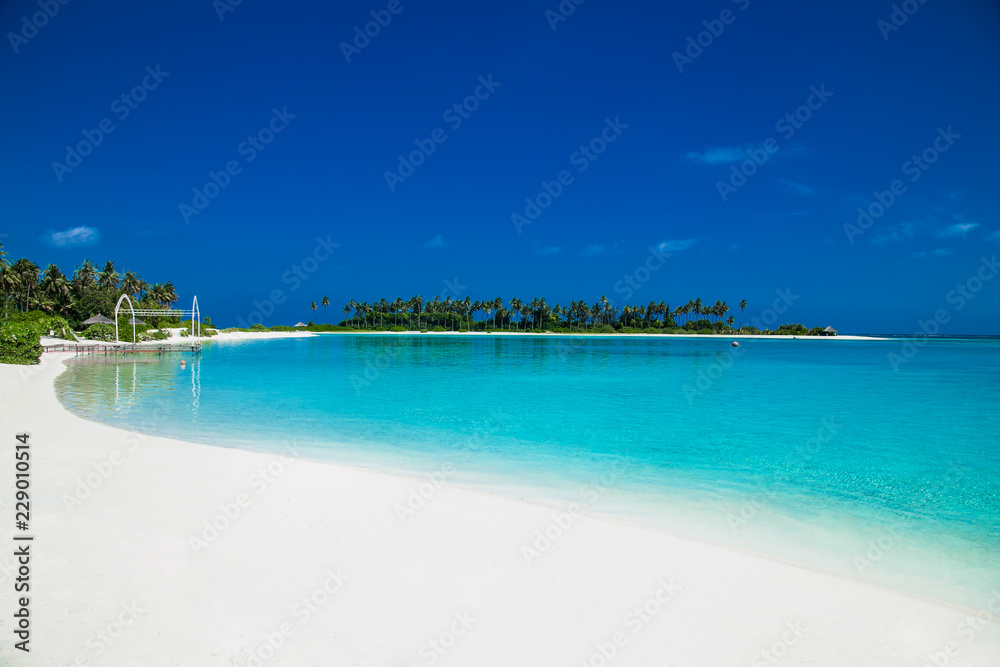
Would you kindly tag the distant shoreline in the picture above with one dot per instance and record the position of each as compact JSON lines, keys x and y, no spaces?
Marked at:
{"x":588,"y":335}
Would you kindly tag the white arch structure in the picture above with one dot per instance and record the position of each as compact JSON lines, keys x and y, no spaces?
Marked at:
{"x":194,"y":313}
{"x":119,"y":305}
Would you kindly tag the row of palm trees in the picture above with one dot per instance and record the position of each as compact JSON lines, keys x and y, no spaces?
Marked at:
{"x":26,"y":287}
{"x":518,"y":314}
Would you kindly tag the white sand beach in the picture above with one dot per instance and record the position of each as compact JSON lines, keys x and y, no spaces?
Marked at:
{"x":151,"y":551}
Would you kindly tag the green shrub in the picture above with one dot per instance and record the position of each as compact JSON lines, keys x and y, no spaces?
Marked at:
{"x":398,"y":329}
{"x":19,"y":343}
{"x":258,"y":327}
{"x":43,"y":323}
{"x":282,"y":327}
{"x":154,"y":334}
{"x":438,"y":329}
{"x":605,"y":328}
{"x":104,"y":332}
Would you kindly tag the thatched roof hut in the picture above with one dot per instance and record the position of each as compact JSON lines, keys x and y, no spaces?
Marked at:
{"x":97,"y":319}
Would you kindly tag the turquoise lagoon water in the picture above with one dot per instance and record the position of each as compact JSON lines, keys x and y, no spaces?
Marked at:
{"x":810,"y":451}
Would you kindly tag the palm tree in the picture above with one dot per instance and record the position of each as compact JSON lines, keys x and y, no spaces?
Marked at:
{"x":313,"y":306}
{"x":347,"y":307}
{"x":6,"y":278}
{"x":131,"y":284}
{"x":741,"y":306}
{"x":26,"y":273}
{"x":325,"y":302}
{"x":170,"y":296}
{"x":84,"y":277}
{"x":55,"y":286}
{"x":108,"y":276}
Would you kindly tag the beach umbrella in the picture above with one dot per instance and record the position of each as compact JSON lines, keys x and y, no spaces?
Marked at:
{"x":97,"y":319}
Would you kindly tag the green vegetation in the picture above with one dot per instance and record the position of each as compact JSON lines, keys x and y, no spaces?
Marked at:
{"x":19,"y":343}
{"x":103,"y":332}
{"x":90,"y":291}
{"x":20,"y":335}
{"x":416,"y":314}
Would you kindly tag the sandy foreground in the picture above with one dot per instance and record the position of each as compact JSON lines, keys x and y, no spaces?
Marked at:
{"x":151,"y":551}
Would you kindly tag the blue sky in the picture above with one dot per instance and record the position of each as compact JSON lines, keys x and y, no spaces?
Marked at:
{"x":631,"y":139}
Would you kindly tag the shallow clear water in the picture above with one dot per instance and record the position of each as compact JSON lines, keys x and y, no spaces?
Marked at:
{"x":815,"y":452}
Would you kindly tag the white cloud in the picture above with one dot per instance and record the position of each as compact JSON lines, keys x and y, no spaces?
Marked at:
{"x":897,"y":233}
{"x":940,"y":252}
{"x":436,"y":242}
{"x":547,"y":250}
{"x":594,"y":250}
{"x":957,"y":230}
{"x":995,"y":236}
{"x":73,"y":237}
{"x":798,"y":187}
{"x":677,"y":245}
{"x":719,"y":154}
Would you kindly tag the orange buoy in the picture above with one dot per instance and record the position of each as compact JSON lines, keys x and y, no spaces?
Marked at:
{"x":183,"y":363}
{"x":735,"y":344}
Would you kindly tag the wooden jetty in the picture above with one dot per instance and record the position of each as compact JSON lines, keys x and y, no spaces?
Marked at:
{"x":110,"y":349}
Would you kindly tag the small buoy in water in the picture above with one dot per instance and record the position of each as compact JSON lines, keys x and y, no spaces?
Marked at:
{"x":183,"y":363}
{"x":735,"y":344}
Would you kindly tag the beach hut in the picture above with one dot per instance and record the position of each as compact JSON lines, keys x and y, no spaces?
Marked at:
{"x":301,"y":324}
{"x":97,"y":319}
{"x":829,"y":331}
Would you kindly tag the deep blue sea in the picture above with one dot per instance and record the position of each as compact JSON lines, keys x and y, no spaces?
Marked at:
{"x":817,"y":452}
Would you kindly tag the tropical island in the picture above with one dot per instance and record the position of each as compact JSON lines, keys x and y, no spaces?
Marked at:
{"x":537,"y":316}
{"x":39,"y":302}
